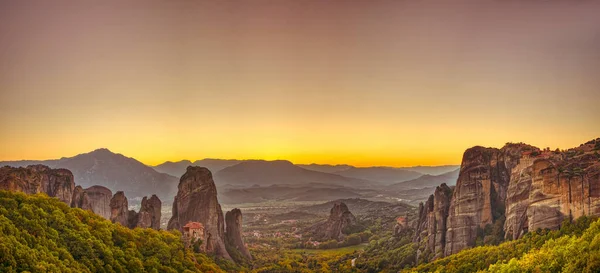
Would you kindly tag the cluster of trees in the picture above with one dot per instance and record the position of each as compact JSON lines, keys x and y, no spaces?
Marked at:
{"x":350,"y":240}
{"x":42,"y":234}
{"x":573,"y":248}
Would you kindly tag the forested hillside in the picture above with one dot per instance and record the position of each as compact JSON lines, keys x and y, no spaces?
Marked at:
{"x":573,"y":248}
{"x":42,"y":234}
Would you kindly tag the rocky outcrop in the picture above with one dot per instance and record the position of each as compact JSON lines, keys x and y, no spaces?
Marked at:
{"x":149,"y":215}
{"x":59,"y":183}
{"x":196,"y":201}
{"x":431,"y":224}
{"x":233,"y":232}
{"x":80,"y":199}
{"x":99,"y":198}
{"x":337,"y":225}
{"x":508,"y":192}
{"x":119,"y":209}
{"x":34,"y":179}
{"x":480,"y":195}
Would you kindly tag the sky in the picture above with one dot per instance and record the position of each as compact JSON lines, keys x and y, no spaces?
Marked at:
{"x":386,"y":83}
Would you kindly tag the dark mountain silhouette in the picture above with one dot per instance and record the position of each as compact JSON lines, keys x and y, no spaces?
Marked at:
{"x":325,"y":168}
{"x":114,"y":171}
{"x":178,"y":168}
{"x":263,"y":173}
{"x":427,"y":181}
{"x":384,"y":175}
{"x":432,"y":170}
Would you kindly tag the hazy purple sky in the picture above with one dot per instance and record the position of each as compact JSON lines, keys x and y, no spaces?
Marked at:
{"x":362,"y":82}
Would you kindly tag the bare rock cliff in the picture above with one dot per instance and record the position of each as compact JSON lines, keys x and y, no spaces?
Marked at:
{"x":119,"y":209}
{"x":34,"y":179}
{"x":233,"y":232}
{"x":99,"y":198}
{"x":149,"y":215}
{"x":431,"y":224}
{"x":196,"y":201}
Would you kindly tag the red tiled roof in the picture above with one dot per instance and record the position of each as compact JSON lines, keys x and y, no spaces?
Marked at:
{"x":193,"y":225}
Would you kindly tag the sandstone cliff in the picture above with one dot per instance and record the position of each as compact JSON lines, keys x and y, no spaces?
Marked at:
{"x":196,"y":200}
{"x":80,"y":199}
{"x":430,"y":230}
{"x":119,"y":209}
{"x":34,"y":179}
{"x":100,"y":200}
{"x":233,"y":232}
{"x":509,"y":192}
{"x":149,"y":215}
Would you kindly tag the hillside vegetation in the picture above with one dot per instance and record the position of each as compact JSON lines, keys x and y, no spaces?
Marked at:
{"x":573,"y":248}
{"x":42,"y":234}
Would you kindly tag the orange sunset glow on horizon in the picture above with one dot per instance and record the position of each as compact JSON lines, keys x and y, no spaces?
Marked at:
{"x":366,"y":83}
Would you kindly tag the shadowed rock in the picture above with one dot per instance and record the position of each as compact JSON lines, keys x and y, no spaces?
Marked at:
{"x":99,"y":200}
{"x":34,"y":179}
{"x":119,"y":209}
{"x":196,"y":201}
{"x":233,"y":232}
{"x":149,"y":215}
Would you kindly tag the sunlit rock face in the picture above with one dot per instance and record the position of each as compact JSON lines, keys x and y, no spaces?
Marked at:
{"x":196,"y":201}
{"x":149,"y":214}
{"x":34,"y":179}
{"x":119,"y":212}
{"x":233,"y":232}
{"x":431,"y":224}
{"x":100,"y":200}
{"x":523,"y":186}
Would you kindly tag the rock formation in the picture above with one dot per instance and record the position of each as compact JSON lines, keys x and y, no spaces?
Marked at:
{"x":196,"y":201}
{"x":515,"y":189}
{"x":233,"y":232}
{"x":34,"y":179}
{"x":337,"y":225}
{"x":149,"y":215}
{"x":119,"y":209}
{"x":80,"y":199}
{"x":431,"y":224}
{"x":59,"y":183}
{"x":100,"y":200}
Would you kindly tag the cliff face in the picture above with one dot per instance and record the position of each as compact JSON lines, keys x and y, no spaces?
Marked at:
{"x":149,"y":215}
{"x":59,"y":183}
{"x":431,"y":226}
{"x":119,"y":212}
{"x":196,"y":200}
{"x":233,"y":232}
{"x":81,"y":199}
{"x":34,"y":179}
{"x":516,"y":189}
{"x":100,"y":200}
{"x":481,"y":190}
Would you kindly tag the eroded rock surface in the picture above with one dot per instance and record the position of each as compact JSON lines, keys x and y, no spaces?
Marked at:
{"x":34,"y":179}
{"x":196,"y":201}
{"x":233,"y":232}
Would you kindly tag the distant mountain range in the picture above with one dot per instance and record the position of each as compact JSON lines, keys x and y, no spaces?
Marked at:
{"x":431,"y":170}
{"x":248,"y":180}
{"x":264,"y":173}
{"x":178,"y":168}
{"x":114,"y":171}
{"x":426,"y":181}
